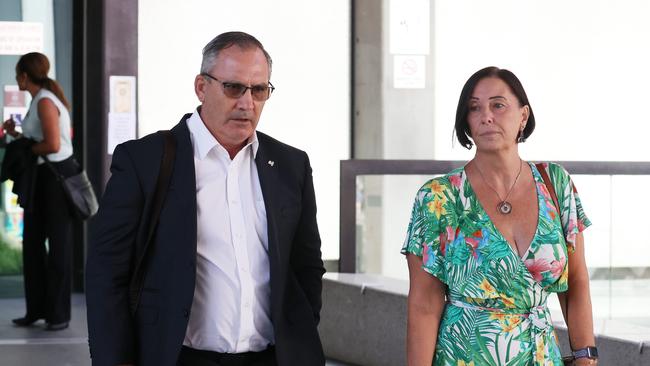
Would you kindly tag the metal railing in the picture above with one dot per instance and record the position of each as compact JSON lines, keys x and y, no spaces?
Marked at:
{"x":351,"y":169}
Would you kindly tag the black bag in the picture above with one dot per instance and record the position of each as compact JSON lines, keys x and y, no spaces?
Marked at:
{"x":78,"y":190}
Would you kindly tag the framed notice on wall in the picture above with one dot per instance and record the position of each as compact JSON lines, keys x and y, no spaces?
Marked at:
{"x":122,"y":114}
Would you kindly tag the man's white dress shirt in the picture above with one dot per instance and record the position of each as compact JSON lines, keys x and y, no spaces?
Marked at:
{"x":231,"y":308}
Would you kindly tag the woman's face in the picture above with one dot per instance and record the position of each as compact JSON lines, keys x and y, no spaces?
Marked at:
{"x":21,"y":80}
{"x":495,"y":116}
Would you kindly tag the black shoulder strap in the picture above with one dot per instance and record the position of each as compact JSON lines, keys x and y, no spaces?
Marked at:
{"x":162,"y":185}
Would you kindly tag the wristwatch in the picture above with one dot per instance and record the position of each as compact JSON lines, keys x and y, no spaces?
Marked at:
{"x":587,"y":352}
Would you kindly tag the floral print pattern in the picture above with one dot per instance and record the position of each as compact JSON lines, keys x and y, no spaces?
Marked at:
{"x":496,"y":311}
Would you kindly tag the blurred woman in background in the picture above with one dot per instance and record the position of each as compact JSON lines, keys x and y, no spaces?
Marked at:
{"x":47,"y":269}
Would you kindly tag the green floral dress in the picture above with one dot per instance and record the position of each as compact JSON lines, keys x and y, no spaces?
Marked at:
{"x":496,"y":312}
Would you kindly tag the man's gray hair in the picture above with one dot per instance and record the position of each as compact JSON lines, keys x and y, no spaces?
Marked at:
{"x":228,"y":39}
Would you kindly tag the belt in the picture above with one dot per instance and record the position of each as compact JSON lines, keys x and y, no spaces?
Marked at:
{"x":190,"y":357}
{"x":538,"y":316}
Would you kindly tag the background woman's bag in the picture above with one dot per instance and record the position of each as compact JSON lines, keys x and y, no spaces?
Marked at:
{"x":78,"y":190}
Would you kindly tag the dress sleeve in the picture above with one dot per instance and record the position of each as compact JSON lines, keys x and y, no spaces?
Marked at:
{"x":425,"y":230}
{"x":572,"y":214}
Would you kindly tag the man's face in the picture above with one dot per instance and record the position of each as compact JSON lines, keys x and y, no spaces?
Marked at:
{"x":232,"y":120}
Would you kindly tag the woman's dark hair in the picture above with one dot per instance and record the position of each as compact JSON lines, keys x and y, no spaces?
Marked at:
{"x":462,"y":126}
{"x":36,"y":66}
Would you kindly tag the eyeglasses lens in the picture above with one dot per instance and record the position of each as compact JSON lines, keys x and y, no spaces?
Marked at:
{"x":234,"y":90}
{"x":260,"y":92}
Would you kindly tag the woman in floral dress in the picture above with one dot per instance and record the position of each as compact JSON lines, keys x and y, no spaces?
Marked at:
{"x":486,"y":245}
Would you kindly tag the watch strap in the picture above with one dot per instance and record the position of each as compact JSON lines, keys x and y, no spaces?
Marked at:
{"x":587,"y":352}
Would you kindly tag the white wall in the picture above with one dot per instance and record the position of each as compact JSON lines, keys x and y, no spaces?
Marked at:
{"x":584,"y":65}
{"x":309,"y":43}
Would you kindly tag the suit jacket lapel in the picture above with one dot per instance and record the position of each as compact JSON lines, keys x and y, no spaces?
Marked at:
{"x":184,"y":179}
{"x":267,"y":171}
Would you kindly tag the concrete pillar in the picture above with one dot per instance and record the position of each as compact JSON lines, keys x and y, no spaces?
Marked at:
{"x":388,"y":123}
{"x":367,"y":122}
{"x":106,"y":43}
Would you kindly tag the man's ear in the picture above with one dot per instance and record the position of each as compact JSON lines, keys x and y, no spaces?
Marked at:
{"x":199,"y":87}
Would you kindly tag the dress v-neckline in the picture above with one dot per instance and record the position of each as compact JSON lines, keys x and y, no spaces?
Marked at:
{"x":513,"y":249}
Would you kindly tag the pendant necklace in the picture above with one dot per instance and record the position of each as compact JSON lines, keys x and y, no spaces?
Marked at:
{"x":503,"y":207}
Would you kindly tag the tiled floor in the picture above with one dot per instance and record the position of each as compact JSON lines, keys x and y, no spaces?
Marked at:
{"x":33,"y":346}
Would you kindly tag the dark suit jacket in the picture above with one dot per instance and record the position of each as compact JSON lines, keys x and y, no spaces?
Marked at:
{"x":19,"y":165}
{"x":155,"y":335}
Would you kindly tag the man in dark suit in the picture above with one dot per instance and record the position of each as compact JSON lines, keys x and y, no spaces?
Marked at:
{"x":233,"y":275}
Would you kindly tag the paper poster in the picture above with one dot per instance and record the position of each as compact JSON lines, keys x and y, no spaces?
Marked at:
{"x":14,"y":97}
{"x":409,"y":27}
{"x":409,"y":72}
{"x":121,"y":128}
{"x":122,"y":123}
{"x":122,"y":94}
{"x":14,"y":105}
{"x":15,"y":113}
{"x":19,"y":38}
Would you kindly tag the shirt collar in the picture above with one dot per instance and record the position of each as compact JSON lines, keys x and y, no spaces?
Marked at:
{"x":204,"y":141}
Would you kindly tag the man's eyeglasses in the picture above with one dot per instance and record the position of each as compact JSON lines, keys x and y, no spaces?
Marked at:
{"x":259,"y":93}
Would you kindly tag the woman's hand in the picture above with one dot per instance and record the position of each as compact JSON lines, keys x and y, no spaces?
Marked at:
{"x":10,"y":127}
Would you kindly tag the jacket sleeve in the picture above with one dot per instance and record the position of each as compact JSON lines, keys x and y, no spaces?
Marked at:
{"x":111,"y":249}
{"x":306,"y":259}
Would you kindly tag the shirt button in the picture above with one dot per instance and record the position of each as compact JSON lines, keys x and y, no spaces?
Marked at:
{"x":186,"y":313}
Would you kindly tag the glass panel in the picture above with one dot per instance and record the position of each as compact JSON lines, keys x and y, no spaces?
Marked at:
{"x":11,"y":214}
{"x":616,"y":252}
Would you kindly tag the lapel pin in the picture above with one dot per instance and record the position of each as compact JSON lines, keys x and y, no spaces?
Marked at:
{"x":271,"y":162}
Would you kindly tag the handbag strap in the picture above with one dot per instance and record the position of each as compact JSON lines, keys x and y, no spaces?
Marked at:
{"x":549,"y":185}
{"x":566,"y":360}
{"x":160,"y":192}
{"x":59,"y":176}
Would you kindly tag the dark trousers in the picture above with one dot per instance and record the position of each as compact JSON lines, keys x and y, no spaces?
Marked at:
{"x":48,"y":272}
{"x":194,"y":357}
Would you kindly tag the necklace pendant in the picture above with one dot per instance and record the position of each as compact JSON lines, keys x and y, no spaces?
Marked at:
{"x":504,"y":207}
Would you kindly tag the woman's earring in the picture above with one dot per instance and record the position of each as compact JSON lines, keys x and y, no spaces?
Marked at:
{"x":520,"y":136}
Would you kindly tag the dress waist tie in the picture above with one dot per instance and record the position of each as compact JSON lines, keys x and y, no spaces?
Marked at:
{"x":539,"y":317}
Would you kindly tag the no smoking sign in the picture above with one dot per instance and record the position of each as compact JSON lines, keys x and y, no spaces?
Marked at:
{"x":409,"y":72}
